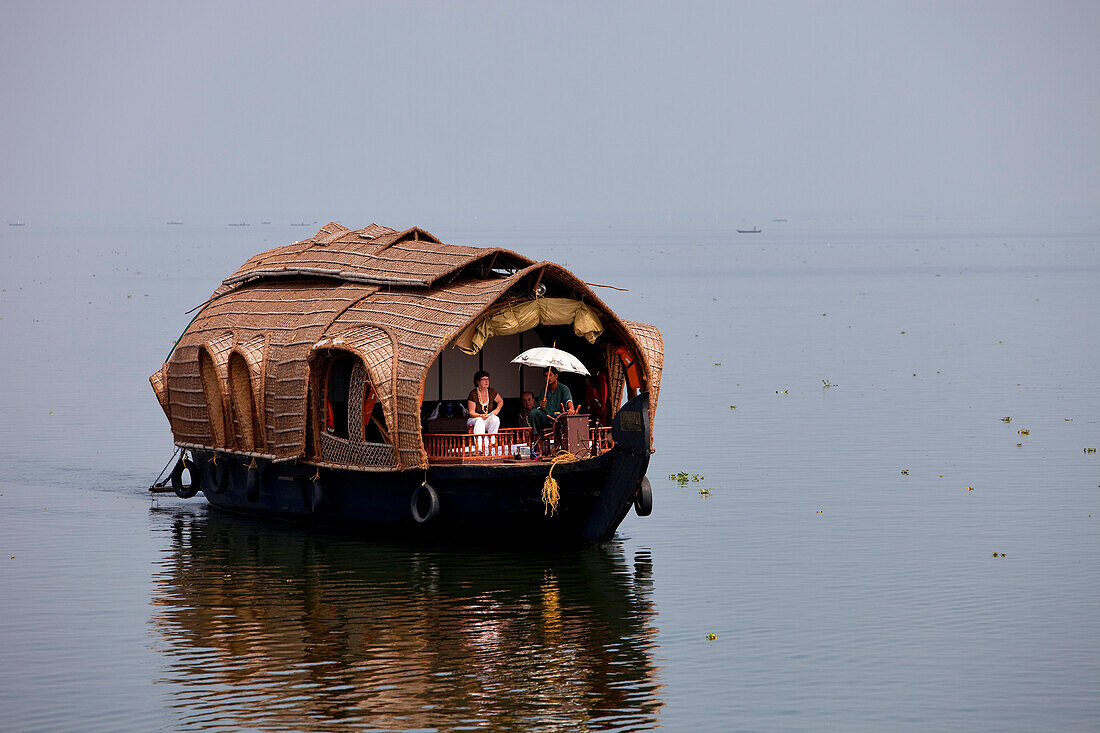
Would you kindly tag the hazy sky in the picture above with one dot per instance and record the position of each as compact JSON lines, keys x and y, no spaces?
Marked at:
{"x":403,"y":112}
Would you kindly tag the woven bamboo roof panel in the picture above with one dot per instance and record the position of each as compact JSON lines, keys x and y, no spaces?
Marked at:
{"x":375,"y":255}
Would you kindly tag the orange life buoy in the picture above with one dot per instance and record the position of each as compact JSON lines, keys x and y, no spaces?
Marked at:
{"x":631,"y":367}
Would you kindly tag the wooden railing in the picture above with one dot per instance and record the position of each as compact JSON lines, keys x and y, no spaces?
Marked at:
{"x":601,"y":437}
{"x":463,"y":447}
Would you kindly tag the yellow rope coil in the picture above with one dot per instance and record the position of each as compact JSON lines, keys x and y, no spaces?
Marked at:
{"x":550,"y":493}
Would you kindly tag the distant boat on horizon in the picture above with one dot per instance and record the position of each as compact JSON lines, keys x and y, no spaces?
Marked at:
{"x":754,"y":230}
{"x":241,"y":224}
{"x":779,"y":220}
{"x":19,"y":223}
{"x":299,"y":224}
{"x":265,"y":222}
{"x":175,"y":222}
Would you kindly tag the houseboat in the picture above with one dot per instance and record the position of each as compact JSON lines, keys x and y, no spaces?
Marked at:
{"x":326,"y":381}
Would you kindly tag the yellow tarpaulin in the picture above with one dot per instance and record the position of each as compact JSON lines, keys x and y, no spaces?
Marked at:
{"x":525,"y":315}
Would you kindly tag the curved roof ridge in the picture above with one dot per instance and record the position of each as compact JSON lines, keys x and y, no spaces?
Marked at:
{"x":374,"y":255}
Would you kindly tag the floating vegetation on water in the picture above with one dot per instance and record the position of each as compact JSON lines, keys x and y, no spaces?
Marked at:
{"x":905,"y":472}
{"x":717,"y":363}
{"x":999,"y":554}
{"x":704,"y":492}
{"x":733,"y":407}
{"x":819,"y":511}
{"x":827,"y":383}
{"x":969,"y":488}
{"x":1024,"y":431}
{"x":683,"y":477}
{"x":781,"y":391}
{"x":1006,"y":419}
{"x":712,"y":637}
{"x":1090,"y":450}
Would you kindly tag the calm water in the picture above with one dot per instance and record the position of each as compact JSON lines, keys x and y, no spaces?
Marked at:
{"x":850,"y":577}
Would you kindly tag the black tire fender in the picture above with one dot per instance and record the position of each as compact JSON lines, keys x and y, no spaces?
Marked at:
{"x":643,"y":498}
{"x":184,"y":491}
{"x":424,"y":504}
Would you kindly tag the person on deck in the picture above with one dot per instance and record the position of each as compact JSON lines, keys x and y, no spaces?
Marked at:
{"x":558,"y":400}
{"x":527,"y":403}
{"x":484,"y":405}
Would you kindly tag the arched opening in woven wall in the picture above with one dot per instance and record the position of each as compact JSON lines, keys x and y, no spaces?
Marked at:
{"x":211,"y":389}
{"x":352,"y":426}
{"x":243,"y":402}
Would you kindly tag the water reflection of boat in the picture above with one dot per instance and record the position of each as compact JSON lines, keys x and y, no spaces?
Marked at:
{"x":310,"y":386}
{"x":316,"y":631}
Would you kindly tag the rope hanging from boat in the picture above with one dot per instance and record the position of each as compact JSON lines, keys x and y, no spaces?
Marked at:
{"x":158,"y":483}
{"x":550,"y":492}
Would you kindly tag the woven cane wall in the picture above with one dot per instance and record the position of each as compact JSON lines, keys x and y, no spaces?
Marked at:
{"x":242,"y":400}
{"x":252,"y":352}
{"x":616,"y":378}
{"x":159,"y":380}
{"x":212,"y":396}
{"x":287,"y":316}
{"x":653,"y":348}
{"x":287,"y":363}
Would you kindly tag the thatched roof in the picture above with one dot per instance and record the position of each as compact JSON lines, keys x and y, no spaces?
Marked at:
{"x":395,"y":299}
{"x":375,"y":255}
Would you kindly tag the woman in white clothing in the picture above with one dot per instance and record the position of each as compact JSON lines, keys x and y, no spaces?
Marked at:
{"x":484,"y":405}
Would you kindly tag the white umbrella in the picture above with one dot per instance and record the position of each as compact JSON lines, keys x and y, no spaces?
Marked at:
{"x":546,"y":356}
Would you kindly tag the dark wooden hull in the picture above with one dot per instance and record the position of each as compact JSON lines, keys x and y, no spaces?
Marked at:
{"x":473,"y":502}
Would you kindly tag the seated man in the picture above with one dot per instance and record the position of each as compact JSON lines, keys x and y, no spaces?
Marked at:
{"x":558,"y":400}
{"x":527,"y":403}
